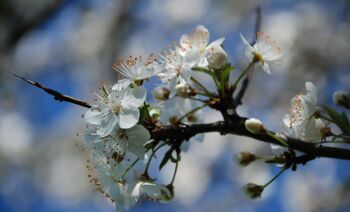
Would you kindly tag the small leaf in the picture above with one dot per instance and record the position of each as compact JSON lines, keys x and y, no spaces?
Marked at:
{"x":226,"y":71}
{"x":203,"y":70}
{"x":341,"y":120}
{"x":166,"y":158}
{"x":151,"y":145}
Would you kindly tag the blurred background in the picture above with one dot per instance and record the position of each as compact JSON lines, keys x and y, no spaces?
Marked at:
{"x":70,"y":45}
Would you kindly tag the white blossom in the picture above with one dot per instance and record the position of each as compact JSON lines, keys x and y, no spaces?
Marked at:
{"x":131,"y":140}
{"x":116,"y":108}
{"x":177,"y":68}
{"x":198,"y":41}
{"x":134,"y":69}
{"x":265,"y":50}
{"x":301,"y":123}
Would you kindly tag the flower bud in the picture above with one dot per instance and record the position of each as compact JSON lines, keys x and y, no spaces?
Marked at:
{"x":183,"y":90}
{"x":216,"y":57}
{"x":341,"y":98}
{"x":161,"y":93}
{"x":245,"y":158}
{"x":254,"y":126}
{"x":254,"y":191}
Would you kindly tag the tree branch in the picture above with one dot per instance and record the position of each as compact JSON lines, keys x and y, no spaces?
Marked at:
{"x":57,"y":95}
{"x":237,"y":127}
{"x":233,"y":124}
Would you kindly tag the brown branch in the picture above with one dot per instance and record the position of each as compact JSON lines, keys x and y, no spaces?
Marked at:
{"x":236,"y":127}
{"x":57,"y":95}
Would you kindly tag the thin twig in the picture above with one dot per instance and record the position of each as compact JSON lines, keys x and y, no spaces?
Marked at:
{"x":57,"y":95}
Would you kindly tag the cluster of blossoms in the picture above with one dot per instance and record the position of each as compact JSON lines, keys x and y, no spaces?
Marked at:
{"x":119,"y":123}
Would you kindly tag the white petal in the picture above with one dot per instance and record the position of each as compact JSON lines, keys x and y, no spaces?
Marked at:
{"x":202,"y":35}
{"x":138,"y":134}
{"x":216,"y":42}
{"x":172,"y":86}
{"x":186,"y":74}
{"x":286,"y":121}
{"x":266,"y":68}
{"x":107,"y":125}
{"x":244,"y":40}
{"x":135,"y":97}
{"x":311,"y":91}
{"x":121,"y":84}
{"x":128,"y":117}
{"x":95,"y":115}
{"x":151,"y":190}
{"x":138,"y":150}
{"x":185,"y":41}
{"x":277,"y":149}
{"x":136,"y":191}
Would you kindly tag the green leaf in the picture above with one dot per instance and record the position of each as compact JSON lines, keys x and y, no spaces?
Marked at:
{"x":166,"y":158}
{"x":151,"y":145}
{"x":203,"y":70}
{"x":340,"y":119}
{"x":226,"y":71}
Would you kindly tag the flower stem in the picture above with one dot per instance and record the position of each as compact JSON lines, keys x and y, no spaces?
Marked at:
{"x":206,"y":91}
{"x":197,"y":99}
{"x":275,"y":177}
{"x":151,"y":157}
{"x":327,"y":119}
{"x":192,"y":111}
{"x":277,"y":138}
{"x":130,"y":167}
{"x":175,"y":172}
{"x":244,"y":73}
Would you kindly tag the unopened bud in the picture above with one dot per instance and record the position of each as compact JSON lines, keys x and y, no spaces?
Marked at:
{"x":245,"y":158}
{"x":161,"y":93}
{"x":254,"y":191}
{"x":254,"y":126}
{"x":183,"y":90}
{"x":216,"y":57}
{"x":342,"y":98}
{"x":326,"y":131}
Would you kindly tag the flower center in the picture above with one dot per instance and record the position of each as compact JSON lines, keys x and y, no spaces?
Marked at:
{"x":121,"y":134}
{"x":116,"y":108}
{"x":258,"y":57}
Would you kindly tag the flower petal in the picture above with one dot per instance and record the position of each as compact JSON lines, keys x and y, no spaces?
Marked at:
{"x":121,"y":84}
{"x":244,"y":40}
{"x":138,"y":135}
{"x":266,"y":68}
{"x":128,"y":117}
{"x":216,"y":42}
{"x":311,"y":91}
{"x":95,"y":115}
{"x":134,"y":97}
{"x":107,"y":125}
